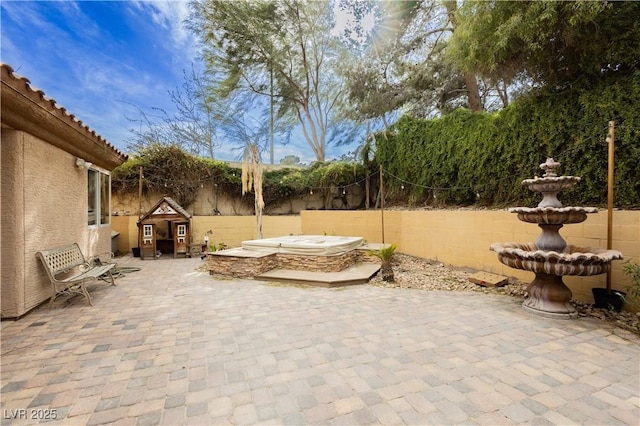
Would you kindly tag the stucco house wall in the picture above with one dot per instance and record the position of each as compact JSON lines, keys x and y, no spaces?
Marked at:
{"x":44,"y":194}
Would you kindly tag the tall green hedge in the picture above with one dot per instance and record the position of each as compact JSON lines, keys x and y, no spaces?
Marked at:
{"x":467,"y":158}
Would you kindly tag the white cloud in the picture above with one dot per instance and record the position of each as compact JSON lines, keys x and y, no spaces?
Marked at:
{"x":171,"y":16}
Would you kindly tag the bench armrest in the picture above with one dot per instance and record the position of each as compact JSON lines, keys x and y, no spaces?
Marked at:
{"x":101,"y":259}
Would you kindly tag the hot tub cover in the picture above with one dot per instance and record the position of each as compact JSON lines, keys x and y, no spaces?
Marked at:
{"x":323,"y":245}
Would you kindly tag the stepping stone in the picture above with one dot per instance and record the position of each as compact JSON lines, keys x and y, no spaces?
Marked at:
{"x":486,"y":279}
{"x":360,"y":273}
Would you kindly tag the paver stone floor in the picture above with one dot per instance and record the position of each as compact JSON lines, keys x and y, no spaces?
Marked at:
{"x":172,"y":345}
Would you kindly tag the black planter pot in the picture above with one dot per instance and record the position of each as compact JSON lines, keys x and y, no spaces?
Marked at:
{"x":604,"y":300}
{"x":136,"y":251}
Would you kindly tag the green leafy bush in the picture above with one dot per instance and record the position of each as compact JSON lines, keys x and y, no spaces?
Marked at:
{"x":467,"y":158}
{"x":174,"y":173}
{"x":463,"y":158}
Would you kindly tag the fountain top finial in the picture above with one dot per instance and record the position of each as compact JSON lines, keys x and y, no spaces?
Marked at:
{"x":550,"y":167}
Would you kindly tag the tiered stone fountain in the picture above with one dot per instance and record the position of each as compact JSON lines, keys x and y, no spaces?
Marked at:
{"x":550,"y":258}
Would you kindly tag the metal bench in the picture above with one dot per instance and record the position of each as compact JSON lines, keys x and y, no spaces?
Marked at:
{"x":69,"y":271}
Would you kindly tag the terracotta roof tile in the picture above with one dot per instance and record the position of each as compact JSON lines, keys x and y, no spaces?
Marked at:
{"x":25,"y":87}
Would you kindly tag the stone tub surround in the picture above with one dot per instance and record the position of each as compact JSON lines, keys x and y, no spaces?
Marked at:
{"x":315,"y":263}
{"x":242,"y":263}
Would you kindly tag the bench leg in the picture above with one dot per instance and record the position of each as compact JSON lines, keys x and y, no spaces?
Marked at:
{"x":86,"y":293}
{"x":83,"y":289}
{"x":113,"y":282}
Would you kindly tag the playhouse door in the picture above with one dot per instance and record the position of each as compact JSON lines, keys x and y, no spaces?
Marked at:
{"x":181,"y":239}
{"x":148,"y":241}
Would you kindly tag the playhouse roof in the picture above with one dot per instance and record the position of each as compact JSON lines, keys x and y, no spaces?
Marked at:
{"x":166,"y":206}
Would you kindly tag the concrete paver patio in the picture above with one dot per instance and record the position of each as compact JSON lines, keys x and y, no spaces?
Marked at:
{"x":170,"y":345}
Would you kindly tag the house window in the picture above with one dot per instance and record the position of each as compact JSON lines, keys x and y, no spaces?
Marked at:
{"x":99,"y":196}
{"x":182,"y":230}
{"x":147,"y":231}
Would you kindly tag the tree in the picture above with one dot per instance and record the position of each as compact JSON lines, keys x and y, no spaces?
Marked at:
{"x":205,"y":120}
{"x":246,"y":122}
{"x":194,"y":124}
{"x":469,"y":78}
{"x":291,"y":160}
{"x":550,"y":43}
{"x":282,"y":50}
{"x":402,"y":67}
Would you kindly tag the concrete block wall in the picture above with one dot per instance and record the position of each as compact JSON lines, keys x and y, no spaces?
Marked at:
{"x":456,"y":237}
{"x":230,"y":230}
{"x":462,"y":237}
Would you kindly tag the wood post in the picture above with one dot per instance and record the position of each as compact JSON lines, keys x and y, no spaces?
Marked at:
{"x":382,"y":203}
{"x":610,"y":139}
{"x":140,"y":194}
{"x":367,"y":190}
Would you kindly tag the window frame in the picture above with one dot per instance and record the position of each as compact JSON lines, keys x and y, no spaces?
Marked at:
{"x":101,"y":214}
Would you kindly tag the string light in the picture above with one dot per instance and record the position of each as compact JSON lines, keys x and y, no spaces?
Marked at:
{"x":403,"y":182}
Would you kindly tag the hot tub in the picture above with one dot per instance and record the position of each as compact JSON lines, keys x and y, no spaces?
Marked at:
{"x":318,"y":245}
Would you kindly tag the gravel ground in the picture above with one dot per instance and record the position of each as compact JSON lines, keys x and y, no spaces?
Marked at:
{"x":417,"y":273}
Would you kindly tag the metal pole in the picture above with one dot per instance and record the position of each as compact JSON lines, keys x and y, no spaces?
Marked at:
{"x":271,"y":154}
{"x":382,"y":203}
{"x":610,"y":198}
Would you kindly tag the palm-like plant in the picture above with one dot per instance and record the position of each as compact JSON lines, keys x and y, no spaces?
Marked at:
{"x":385,"y":254}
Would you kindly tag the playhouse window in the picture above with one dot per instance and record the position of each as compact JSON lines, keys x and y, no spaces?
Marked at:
{"x":182,"y":230}
{"x":98,"y":189}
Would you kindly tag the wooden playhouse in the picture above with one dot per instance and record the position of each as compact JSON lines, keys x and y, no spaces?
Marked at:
{"x":164,"y":230}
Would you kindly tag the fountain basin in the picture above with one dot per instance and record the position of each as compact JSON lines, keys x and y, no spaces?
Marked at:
{"x":550,"y":183}
{"x":574,"y":260}
{"x":553,"y":215}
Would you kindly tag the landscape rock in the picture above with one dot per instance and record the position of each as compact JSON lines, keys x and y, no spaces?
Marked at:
{"x":423,"y":274}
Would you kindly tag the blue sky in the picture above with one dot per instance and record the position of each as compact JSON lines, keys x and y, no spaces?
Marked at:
{"x":102,"y":60}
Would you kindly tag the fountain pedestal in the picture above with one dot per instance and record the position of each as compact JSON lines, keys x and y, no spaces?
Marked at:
{"x":550,"y":297}
{"x":550,"y":239}
{"x":550,"y":258}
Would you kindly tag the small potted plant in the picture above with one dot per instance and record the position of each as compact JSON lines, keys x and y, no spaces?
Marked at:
{"x":217,"y":247}
{"x":607,"y":298}
{"x":385,"y":254}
